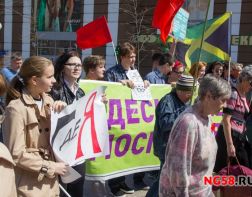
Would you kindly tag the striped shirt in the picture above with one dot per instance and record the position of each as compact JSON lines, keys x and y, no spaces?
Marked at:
{"x":237,"y":107}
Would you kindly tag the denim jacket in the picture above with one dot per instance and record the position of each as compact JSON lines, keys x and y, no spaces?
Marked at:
{"x":116,"y":73}
{"x":168,"y":109}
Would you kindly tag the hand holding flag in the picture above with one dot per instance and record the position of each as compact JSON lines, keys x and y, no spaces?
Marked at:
{"x":94,"y":34}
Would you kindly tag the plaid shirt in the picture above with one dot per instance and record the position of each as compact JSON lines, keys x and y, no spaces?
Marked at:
{"x":156,"y":77}
{"x":116,"y":73}
{"x":168,"y":109}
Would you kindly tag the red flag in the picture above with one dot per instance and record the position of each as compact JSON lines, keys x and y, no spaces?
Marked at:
{"x":93,"y":34}
{"x":163,"y":16}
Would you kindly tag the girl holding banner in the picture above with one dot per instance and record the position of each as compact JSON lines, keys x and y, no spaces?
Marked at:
{"x":26,"y":129}
{"x":118,"y":73}
{"x":67,"y":73}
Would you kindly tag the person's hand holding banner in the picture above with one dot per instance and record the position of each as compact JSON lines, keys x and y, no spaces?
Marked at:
{"x":140,"y":90}
{"x":80,"y":131}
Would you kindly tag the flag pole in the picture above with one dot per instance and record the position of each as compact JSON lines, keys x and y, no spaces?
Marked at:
{"x":63,"y":189}
{"x":173,"y":47}
{"x":174,"y":50}
{"x":114,"y":52}
{"x":201,"y":44}
{"x":203,"y":34}
{"x":230,"y":32}
{"x":230,"y":58}
{"x":229,"y":68}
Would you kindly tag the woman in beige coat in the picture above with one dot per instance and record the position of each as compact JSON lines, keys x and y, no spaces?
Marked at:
{"x":7,"y":176}
{"x":26,"y":129}
{"x":7,"y":180}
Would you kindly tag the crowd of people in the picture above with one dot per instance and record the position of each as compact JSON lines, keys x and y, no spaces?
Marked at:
{"x":182,"y":137}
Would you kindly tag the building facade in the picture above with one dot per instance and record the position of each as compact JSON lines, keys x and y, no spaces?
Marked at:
{"x":47,"y":27}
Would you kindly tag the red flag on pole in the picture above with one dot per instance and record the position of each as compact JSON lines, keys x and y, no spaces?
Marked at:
{"x":163,"y":16}
{"x":93,"y":34}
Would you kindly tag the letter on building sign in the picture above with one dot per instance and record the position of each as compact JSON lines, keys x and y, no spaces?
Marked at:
{"x":250,"y":40}
{"x":243,"y":40}
{"x":235,"y":40}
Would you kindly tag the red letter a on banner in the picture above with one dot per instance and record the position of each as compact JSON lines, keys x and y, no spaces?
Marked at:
{"x":88,"y":115}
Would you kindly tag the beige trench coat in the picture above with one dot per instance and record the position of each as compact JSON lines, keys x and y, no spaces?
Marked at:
{"x":7,"y":176}
{"x":26,"y":132}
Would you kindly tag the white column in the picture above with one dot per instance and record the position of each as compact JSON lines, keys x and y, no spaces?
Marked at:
{"x":113,"y":17}
{"x":7,"y":27}
{"x":26,"y":28}
{"x":234,"y":6}
{"x":88,"y":16}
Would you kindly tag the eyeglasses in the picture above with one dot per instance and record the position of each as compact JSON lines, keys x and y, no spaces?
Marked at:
{"x":73,"y":64}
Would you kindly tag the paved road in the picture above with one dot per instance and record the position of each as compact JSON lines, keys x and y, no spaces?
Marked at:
{"x":97,"y":190}
{"x":96,"y":193}
{"x":138,"y":194}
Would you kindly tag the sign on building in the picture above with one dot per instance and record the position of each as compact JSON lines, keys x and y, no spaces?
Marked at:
{"x":241,"y":40}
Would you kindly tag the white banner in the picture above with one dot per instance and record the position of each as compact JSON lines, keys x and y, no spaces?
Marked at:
{"x":80,"y":131}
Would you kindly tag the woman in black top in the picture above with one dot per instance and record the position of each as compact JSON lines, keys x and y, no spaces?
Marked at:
{"x":67,"y":73}
{"x":232,"y":134}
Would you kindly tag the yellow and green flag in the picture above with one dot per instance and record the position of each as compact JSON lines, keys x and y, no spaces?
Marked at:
{"x":215,"y":45}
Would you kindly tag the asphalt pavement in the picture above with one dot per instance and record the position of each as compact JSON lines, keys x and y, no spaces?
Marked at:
{"x":97,"y":189}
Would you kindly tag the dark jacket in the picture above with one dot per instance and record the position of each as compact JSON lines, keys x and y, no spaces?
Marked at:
{"x":116,"y":73}
{"x":63,"y":93}
{"x":168,"y":109}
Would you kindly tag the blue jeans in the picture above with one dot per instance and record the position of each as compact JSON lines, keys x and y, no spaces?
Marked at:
{"x":154,"y":189}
